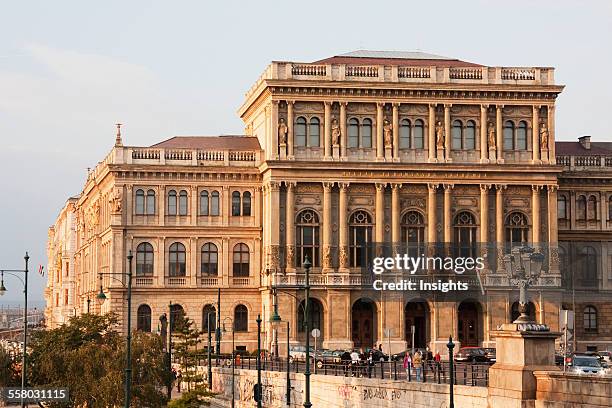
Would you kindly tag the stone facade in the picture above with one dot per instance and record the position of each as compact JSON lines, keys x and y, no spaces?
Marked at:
{"x":406,"y":148}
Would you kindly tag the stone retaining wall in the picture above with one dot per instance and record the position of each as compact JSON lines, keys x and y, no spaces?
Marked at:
{"x":564,"y":390}
{"x":342,"y":392}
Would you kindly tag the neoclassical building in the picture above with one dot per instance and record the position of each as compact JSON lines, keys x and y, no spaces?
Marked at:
{"x":357,"y":150}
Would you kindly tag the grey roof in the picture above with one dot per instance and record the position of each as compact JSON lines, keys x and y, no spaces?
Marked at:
{"x":394,"y":54}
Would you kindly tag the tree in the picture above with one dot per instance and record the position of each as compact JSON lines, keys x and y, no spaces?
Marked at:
{"x":186,"y":340}
{"x":8,"y":369}
{"x":87,"y":355}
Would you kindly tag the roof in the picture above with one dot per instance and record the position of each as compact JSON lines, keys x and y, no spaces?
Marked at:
{"x":400,"y":58}
{"x":234,"y":142}
{"x":576,"y":149}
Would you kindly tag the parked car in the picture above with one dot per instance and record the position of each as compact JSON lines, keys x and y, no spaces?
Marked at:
{"x":490,"y":353}
{"x":298,"y":353}
{"x":583,"y":364}
{"x":471,"y":354}
{"x":606,"y":356}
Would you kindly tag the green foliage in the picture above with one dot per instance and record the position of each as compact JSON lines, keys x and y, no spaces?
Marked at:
{"x":186,"y":339}
{"x":88,"y":356}
{"x":9,"y":375}
{"x":196,"y":398}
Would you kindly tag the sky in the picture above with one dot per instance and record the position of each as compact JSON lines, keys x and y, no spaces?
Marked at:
{"x":70,"y":70}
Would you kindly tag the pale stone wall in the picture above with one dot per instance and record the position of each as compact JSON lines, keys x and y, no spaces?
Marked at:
{"x":345,"y":392}
{"x":559,"y":390}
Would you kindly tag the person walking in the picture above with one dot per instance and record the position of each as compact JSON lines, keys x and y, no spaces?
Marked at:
{"x":407,"y":364}
{"x":354,"y":362}
{"x":417,"y":362}
{"x":438,"y":363}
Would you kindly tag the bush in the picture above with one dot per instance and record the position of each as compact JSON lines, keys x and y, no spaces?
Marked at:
{"x":196,"y":398}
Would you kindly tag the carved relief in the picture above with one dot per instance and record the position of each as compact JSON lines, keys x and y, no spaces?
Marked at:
{"x":309,"y":188}
{"x":308,"y":200}
{"x":343,"y":257}
{"x":361,"y":108}
{"x":413,"y":202}
{"x":327,"y":256}
{"x":115,"y":200}
{"x":290,"y":257}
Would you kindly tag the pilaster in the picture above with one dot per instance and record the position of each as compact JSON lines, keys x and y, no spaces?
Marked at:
{"x":327,"y":227}
{"x":380,"y":150}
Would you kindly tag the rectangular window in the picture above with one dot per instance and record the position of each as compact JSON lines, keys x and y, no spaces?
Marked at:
{"x":65,"y":296}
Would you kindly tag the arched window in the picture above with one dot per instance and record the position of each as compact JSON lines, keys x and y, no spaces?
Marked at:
{"x":246,"y":204}
{"x":209,"y":310}
{"x":562,"y":207}
{"x":521,"y":136}
{"x":581,"y":208}
{"x":517,"y":229}
{"x":241,"y":318}
{"x":353,"y":133}
{"x":413,"y":232}
{"x":456,"y":135}
{"x":176,"y":260}
{"x":465,"y":234}
{"x":144,"y":259}
{"x":592,"y":208}
{"x":236,"y":203}
{"x":470,"y":135}
{"x":366,"y":133}
{"x":241,"y":260}
{"x":176,"y":313}
{"x":183,"y":202}
{"x":210,"y":260}
{"x":150,"y":202}
{"x":214,"y":203}
{"x":140,"y":202}
{"x":307,"y":237}
{"x":419,"y":138}
{"x":300,"y":131}
{"x":590,"y":319}
{"x":315,"y":132}
{"x":204,"y":204}
{"x":404,"y":134}
{"x":171,"y":202}
{"x":508,"y":135}
{"x":360,"y":238}
{"x":587,"y":266}
{"x":143,"y":318}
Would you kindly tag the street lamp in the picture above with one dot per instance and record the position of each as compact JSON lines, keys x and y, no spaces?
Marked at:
{"x":258,"y":391}
{"x":233,"y":355}
{"x":13,"y":272}
{"x":306,"y":264}
{"x":524,"y":267}
{"x":101,"y":297}
{"x":275,"y":320}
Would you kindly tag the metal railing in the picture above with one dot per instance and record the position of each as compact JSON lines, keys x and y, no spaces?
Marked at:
{"x":465,"y":373}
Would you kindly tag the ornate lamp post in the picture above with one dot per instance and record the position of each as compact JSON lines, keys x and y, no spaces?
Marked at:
{"x":258,"y":391}
{"x":524,"y":267}
{"x":233,"y":356}
{"x":451,"y":369}
{"x":13,"y":272}
{"x":306,"y":264}
{"x":101,"y":297}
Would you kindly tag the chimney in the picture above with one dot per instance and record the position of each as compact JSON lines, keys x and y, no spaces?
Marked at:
{"x":585,"y":141}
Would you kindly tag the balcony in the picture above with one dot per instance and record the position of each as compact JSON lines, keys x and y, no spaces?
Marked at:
{"x":246,"y":281}
{"x":186,"y":157}
{"x":210,"y":281}
{"x":176,"y":281}
{"x":143,"y":281}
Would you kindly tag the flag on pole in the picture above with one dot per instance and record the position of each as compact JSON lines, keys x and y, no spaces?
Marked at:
{"x":41,"y":270}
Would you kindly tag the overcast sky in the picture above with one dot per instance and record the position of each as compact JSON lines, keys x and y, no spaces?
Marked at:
{"x":69,"y":70}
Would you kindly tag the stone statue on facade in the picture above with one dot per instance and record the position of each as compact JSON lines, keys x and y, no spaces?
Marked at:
{"x":543,"y":136}
{"x":439,"y":135}
{"x":387,"y":131}
{"x":335,"y":132}
{"x":491,"y":135}
{"x":115,"y":200}
{"x":163,"y":323}
{"x":282,"y":131}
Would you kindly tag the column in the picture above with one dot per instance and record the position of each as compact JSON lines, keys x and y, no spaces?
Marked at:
{"x":274,"y":129}
{"x":395,"y":213}
{"x":552,"y":159}
{"x":431,"y":213}
{"x":225,"y":204}
{"x":290,"y":154}
{"x":553,"y":233}
{"x":343,"y":137}
{"x":160,"y":204}
{"x":483,"y":134}
{"x":327,"y":227}
{"x":380,"y":148}
{"x":447,"y":132}
{"x":499,"y":132}
{"x":343,"y":227}
{"x":535,"y":214}
{"x":535,"y":134}
{"x":396,"y":132}
{"x":484,"y":213}
{"x":274,"y":192}
{"x":290,"y":227}
{"x":431,"y":133}
{"x":380,"y":213}
{"x":257,"y":206}
{"x":499,"y":214}
{"x":447,"y":213}
{"x":327,"y":130}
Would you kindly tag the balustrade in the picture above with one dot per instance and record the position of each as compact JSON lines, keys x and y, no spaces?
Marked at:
{"x":308,"y":70}
{"x":362,"y":71}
